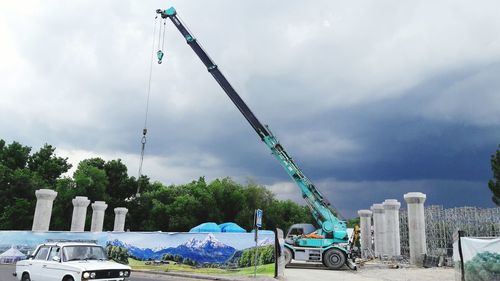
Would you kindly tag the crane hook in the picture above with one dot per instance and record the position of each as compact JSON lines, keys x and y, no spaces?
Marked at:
{"x":159,"y":54}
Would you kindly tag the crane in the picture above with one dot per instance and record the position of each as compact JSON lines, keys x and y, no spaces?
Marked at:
{"x":328,"y":243}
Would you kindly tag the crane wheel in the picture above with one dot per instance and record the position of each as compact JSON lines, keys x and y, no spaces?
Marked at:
{"x":334,"y":258}
{"x":288,"y":256}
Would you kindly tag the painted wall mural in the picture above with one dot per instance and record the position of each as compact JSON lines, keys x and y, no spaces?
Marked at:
{"x":221,"y":250}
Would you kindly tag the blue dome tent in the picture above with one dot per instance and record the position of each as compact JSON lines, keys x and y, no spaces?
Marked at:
{"x":206,"y":227}
{"x":231,"y":227}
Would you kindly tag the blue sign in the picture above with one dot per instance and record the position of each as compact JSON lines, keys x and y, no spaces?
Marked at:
{"x":258,"y":218}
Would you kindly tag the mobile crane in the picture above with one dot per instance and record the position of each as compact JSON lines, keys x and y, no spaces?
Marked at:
{"x":329,"y":243}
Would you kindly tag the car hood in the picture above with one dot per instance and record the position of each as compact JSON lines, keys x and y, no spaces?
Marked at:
{"x":97,"y":265}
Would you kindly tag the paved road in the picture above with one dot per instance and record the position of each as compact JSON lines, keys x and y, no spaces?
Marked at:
{"x":301,"y":272}
{"x":6,"y":275}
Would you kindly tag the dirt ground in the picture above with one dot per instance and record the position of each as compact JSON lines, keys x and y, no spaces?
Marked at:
{"x":369,"y":272}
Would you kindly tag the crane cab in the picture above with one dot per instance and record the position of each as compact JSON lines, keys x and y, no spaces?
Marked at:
{"x":299,"y":229}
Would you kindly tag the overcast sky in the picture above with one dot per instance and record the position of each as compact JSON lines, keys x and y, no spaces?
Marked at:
{"x":373,"y":99}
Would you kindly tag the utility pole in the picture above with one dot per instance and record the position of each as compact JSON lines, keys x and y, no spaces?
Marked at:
{"x":257,"y":218}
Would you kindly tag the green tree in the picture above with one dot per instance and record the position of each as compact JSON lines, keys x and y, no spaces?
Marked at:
{"x":16,"y":180}
{"x":46,"y":165}
{"x":120,"y":189}
{"x":20,"y":175}
{"x":88,"y":180}
{"x":245,"y":259}
{"x":353,"y":222}
{"x":256,"y":197}
{"x":265,"y":255}
{"x":14,"y":156}
{"x":160,"y":207}
{"x":118,"y":254}
{"x":494,"y":184}
{"x":120,"y":185}
{"x":18,"y":216}
{"x":63,"y":207}
{"x":91,"y":179}
{"x":140,"y":209}
{"x":282,"y":214}
{"x":228,"y":197}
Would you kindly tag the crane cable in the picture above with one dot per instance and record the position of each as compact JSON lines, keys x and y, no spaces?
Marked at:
{"x":145,"y":129}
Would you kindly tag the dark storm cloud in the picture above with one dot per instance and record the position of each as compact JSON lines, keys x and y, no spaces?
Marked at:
{"x":349,"y":197}
{"x":371,"y":99}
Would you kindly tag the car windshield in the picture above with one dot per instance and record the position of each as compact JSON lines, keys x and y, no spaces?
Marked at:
{"x":72,"y":253}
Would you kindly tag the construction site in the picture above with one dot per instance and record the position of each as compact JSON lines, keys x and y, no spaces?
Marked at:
{"x":406,"y":166}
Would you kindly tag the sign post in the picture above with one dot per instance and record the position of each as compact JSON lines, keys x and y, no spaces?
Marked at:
{"x":257,"y":224}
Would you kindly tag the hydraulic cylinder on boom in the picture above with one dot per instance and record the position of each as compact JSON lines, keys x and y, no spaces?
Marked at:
{"x":328,"y":243}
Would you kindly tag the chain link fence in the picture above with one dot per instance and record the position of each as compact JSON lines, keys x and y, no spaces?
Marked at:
{"x":440,"y":224}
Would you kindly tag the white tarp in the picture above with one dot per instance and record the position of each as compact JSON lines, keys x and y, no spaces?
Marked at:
{"x":456,"y":262}
{"x":481,"y":258}
{"x":472,"y":246}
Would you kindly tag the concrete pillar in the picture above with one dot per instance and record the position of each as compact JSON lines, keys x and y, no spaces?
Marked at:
{"x":416,"y":226}
{"x":80,"y":204}
{"x":120,"y":214}
{"x":392,"y":240}
{"x":43,"y":212}
{"x":378,"y":228}
{"x":365,"y":225}
{"x":98,"y":207}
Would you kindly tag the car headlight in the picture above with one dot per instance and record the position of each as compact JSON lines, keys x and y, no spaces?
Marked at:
{"x":120,"y":273}
{"x":126,"y":273}
{"x":89,"y":275}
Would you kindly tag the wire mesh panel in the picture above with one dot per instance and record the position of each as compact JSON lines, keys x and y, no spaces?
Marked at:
{"x":403,"y":228}
{"x":440,"y":224}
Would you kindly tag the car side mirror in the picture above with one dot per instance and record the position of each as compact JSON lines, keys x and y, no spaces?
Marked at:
{"x":56,"y":258}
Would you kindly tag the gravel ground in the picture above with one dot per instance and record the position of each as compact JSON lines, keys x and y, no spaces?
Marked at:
{"x":369,"y":272}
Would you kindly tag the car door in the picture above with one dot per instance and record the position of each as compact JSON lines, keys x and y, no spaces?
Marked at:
{"x":37,"y":263}
{"x":51,"y":269}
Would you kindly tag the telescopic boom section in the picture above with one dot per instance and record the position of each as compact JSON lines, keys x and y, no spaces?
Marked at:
{"x":319,"y":206}
{"x":214,"y":70}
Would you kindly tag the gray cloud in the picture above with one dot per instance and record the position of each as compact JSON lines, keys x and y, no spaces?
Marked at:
{"x":366,"y":93}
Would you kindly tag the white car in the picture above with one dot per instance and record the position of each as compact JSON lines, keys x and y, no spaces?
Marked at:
{"x":70,"y":261}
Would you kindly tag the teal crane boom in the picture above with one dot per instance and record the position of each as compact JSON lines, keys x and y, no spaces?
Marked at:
{"x":331,"y":230}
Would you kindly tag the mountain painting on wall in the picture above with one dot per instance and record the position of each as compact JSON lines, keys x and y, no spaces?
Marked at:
{"x":208,"y":250}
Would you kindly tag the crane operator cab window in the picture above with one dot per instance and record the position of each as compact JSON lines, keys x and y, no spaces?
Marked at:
{"x":299,"y":229}
{"x":296,"y":232}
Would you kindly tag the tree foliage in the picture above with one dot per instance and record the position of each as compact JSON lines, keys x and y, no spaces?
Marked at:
{"x":494,"y":184}
{"x":181,"y":207}
{"x":21,"y":173}
{"x":265,"y":255}
{"x":117,"y":254}
{"x":353,"y":222}
{"x":160,"y":207}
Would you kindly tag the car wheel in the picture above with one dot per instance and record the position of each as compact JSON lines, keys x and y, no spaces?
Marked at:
{"x":69,"y":279}
{"x":334,"y":258}
{"x":288,"y":256}
{"x":26,"y":277}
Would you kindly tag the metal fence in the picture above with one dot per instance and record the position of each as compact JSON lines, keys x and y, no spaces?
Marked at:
{"x":440,"y":224}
